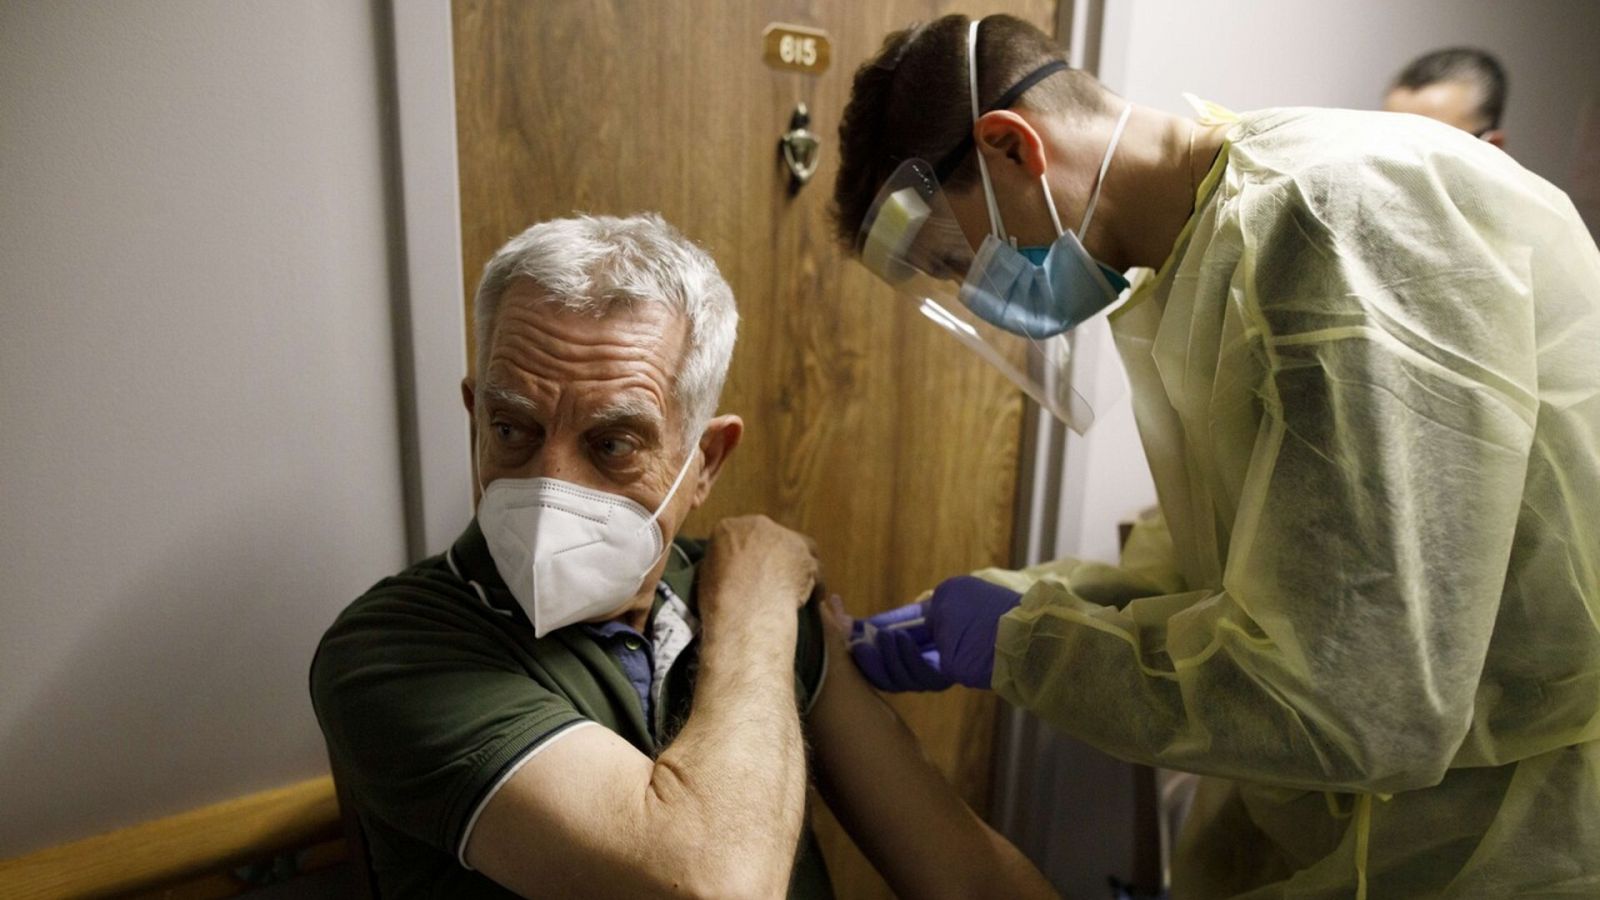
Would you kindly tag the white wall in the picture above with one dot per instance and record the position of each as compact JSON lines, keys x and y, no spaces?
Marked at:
{"x":199,"y":449}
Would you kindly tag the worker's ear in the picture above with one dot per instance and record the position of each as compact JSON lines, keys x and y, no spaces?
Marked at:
{"x":1495,"y":136}
{"x":721,"y":436}
{"x":1007,"y":139}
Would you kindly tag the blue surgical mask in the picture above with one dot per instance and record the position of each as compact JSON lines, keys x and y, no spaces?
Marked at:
{"x":1039,"y":256}
{"x":1040,"y":292}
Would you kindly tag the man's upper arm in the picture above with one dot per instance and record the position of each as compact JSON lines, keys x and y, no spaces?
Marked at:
{"x":425,"y":708}
{"x":573,"y":821}
{"x":897,"y":806}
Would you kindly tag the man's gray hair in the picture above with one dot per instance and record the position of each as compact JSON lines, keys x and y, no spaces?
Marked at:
{"x":597,"y":263}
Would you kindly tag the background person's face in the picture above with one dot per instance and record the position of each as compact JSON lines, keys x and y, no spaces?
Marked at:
{"x":1454,"y":103}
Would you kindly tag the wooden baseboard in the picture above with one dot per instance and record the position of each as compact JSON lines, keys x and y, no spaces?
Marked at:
{"x":192,"y":844}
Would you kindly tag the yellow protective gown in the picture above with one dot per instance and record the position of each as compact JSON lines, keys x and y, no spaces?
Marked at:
{"x":1368,"y":383}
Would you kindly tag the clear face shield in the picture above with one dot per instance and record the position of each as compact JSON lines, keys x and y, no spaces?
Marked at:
{"x":911,"y":240}
{"x":1012,"y":306}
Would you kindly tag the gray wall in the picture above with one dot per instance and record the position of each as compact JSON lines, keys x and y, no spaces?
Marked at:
{"x":1248,"y":54}
{"x":199,"y":438}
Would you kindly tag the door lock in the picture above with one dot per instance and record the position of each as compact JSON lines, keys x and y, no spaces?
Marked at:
{"x":800,"y":148}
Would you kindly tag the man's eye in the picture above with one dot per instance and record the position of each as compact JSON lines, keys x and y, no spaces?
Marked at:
{"x":615,"y":448}
{"x":506,"y":432}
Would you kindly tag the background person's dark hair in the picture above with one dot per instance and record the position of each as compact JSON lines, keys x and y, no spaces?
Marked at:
{"x":1463,"y":64}
{"x":911,"y":100}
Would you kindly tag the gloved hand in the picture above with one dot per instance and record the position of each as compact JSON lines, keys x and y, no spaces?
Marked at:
{"x":893,"y":650}
{"x":947,"y":639}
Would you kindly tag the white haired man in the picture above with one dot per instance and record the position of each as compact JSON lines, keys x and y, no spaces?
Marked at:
{"x":570,"y":701}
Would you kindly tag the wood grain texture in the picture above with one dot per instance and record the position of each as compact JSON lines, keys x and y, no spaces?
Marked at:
{"x":866,"y":428}
{"x":143,"y":856}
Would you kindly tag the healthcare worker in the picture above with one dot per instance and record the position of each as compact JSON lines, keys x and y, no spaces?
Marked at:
{"x":1364,"y":351}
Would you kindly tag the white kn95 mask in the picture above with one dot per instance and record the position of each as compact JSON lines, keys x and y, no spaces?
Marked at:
{"x":570,"y":553}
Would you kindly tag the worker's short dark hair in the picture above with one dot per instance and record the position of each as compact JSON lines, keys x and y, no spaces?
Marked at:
{"x":912,"y":100}
{"x":1464,"y":64}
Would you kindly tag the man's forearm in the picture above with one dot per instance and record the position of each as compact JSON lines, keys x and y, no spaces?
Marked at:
{"x":716,"y":815}
{"x":738,"y":766}
{"x":719,"y":812}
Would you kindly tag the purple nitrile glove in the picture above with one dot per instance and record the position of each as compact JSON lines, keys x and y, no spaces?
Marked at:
{"x":963,"y":619}
{"x":947,"y":639}
{"x":895,"y":652}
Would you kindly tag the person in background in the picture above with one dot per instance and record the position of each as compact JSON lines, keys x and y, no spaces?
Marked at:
{"x":575,"y":701}
{"x":1460,"y":86}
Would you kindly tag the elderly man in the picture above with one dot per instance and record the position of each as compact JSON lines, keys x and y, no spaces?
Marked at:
{"x":570,"y":702}
{"x":1459,"y":86}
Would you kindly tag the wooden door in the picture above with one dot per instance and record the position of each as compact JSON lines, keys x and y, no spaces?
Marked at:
{"x":866,"y":428}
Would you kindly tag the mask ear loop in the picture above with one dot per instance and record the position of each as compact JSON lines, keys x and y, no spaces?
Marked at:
{"x":682,"y":473}
{"x":996,"y":227}
{"x":1100,"y":179}
{"x":1050,"y":204}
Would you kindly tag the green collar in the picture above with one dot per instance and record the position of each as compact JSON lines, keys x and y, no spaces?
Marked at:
{"x":682,"y":558}
{"x":470,"y":558}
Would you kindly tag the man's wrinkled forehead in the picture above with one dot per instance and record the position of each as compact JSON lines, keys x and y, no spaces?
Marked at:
{"x":633,"y":409}
{"x":619,"y":364}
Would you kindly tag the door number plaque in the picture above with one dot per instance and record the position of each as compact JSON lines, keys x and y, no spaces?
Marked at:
{"x":796,"y":48}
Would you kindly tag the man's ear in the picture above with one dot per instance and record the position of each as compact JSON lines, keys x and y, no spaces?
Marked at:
{"x":721,"y":436}
{"x":1004,"y":137}
{"x":468,"y":395}
{"x":1496,"y":137}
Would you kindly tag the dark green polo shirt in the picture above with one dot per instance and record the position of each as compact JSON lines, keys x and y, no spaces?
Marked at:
{"x":431,"y":686}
